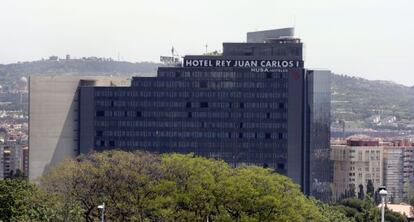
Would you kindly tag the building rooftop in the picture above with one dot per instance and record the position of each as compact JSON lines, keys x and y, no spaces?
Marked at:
{"x":404,"y":209}
{"x":364,"y":140}
{"x":270,"y":35}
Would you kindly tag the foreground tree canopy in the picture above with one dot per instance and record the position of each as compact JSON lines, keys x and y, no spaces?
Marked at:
{"x":144,"y":187}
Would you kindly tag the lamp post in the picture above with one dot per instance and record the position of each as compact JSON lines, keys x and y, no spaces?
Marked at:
{"x":383,"y":193}
{"x":102,"y":208}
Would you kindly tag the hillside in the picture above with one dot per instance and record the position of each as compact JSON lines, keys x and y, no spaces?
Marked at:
{"x":90,"y":65}
{"x":372,"y":104}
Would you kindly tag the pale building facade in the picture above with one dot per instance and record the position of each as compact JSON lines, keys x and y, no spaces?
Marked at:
{"x":54,"y":117}
{"x":355,"y":163}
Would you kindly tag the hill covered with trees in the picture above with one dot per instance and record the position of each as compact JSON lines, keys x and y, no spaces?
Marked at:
{"x":372,"y":104}
{"x":84,"y":66}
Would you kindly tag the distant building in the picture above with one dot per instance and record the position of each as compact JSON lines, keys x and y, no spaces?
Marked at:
{"x":385,"y":163}
{"x":11,"y":157}
{"x":355,"y":163}
{"x":398,"y":173}
{"x":25,"y":160}
{"x":53,"y":58}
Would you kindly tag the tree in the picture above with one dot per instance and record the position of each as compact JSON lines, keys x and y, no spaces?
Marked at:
{"x":21,"y":200}
{"x":410,"y":199}
{"x":332,"y":213}
{"x":12,"y":194}
{"x":370,"y":189}
{"x":173,"y":187}
{"x":351,"y":191}
{"x":394,"y":216}
{"x":361,"y":193}
{"x":366,"y":211}
{"x":369,"y":211}
{"x":124,"y":181}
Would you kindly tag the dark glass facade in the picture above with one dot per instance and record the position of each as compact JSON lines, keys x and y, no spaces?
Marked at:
{"x":318,"y":163}
{"x":247,"y":106}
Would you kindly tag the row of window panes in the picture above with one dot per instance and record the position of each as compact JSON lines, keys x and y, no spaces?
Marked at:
{"x":201,"y":104}
{"x":223,"y":75}
{"x":192,"y":124}
{"x":208,"y":84}
{"x":161,"y":94}
{"x":167,"y":114}
{"x":193,"y":134}
{"x":253,"y":156}
{"x":188,"y":144}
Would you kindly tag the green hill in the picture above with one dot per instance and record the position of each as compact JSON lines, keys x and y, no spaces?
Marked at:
{"x":85,"y":66}
{"x":372,"y":104}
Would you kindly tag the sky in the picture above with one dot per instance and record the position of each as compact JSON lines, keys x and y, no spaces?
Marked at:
{"x":373,"y":39}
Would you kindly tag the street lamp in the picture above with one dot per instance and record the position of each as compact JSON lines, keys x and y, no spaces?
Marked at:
{"x":383,"y":193}
{"x":102,"y":208}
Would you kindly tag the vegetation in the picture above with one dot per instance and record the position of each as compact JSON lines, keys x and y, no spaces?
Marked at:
{"x":85,"y":66}
{"x":173,"y":187}
{"x":365,"y":211}
{"x":144,"y":187}
{"x":356,"y":100}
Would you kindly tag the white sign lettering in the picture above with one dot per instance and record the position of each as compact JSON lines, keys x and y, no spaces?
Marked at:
{"x":242,"y":63}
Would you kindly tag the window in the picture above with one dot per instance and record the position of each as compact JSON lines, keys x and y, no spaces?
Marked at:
{"x":188,"y":105}
{"x":267,"y":135}
{"x":280,"y":166}
{"x":268,"y":75}
{"x":204,"y":105}
{"x":203,"y":84}
{"x":100,"y":113}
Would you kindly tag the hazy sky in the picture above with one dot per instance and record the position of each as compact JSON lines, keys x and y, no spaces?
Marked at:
{"x":373,"y":39}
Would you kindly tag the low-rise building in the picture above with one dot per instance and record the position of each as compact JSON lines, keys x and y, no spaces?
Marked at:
{"x":361,"y":159}
{"x":403,"y":208}
{"x":356,"y":162}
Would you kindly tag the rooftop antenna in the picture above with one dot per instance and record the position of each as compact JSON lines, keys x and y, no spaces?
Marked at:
{"x":172,"y":51}
{"x":206,"y":48}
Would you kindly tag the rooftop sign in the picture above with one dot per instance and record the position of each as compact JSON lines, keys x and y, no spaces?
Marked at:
{"x":242,"y":63}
